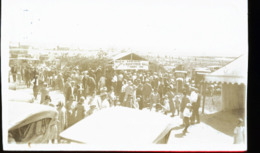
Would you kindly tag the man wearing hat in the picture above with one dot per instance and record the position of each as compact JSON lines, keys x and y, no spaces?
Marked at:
{"x":62,"y":117}
{"x":128,"y":90}
{"x":91,"y":84}
{"x":36,"y":86}
{"x":80,"y":110}
{"x":195,"y":101}
{"x":44,"y":92}
{"x":147,"y":90}
{"x":170,"y":94}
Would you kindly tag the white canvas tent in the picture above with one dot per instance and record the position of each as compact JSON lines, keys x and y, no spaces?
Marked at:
{"x":233,"y":77}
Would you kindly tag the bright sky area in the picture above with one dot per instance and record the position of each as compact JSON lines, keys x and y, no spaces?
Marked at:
{"x":183,"y":27}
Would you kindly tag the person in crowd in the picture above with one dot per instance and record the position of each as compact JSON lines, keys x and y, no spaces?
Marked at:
{"x":122,"y":94}
{"x":239,"y":132}
{"x":80,"y":110}
{"x":136,"y":103}
{"x":53,"y":137}
{"x":75,"y":92}
{"x":19,"y":76}
{"x":91,"y":84}
{"x":166,"y":105}
{"x":161,"y":89}
{"x":195,"y":101}
{"x":70,"y":107}
{"x":109,"y":81}
{"x":36,"y":87}
{"x":85,"y":85}
{"x":80,"y":92}
{"x":139,"y":90}
{"x":60,"y":82}
{"x":14,"y":72}
{"x":186,"y":117}
{"x":62,"y":118}
{"x":177,"y":102}
{"x":129,"y":91}
{"x":92,"y":109}
{"x":184,"y":102}
{"x":70,"y":91}
{"x":44,"y":92}
{"x":147,"y":90}
{"x":93,"y":100}
{"x":187,"y":88}
{"x":104,"y":101}
{"x":114,"y":80}
{"x":119,"y":84}
{"x":170,"y":94}
{"x":101,"y":83}
{"x":47,"y":100}
{"x":154,"y":98}
{"x":112,"y":97}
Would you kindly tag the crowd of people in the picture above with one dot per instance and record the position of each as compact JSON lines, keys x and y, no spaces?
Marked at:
{"x":86,"y":92}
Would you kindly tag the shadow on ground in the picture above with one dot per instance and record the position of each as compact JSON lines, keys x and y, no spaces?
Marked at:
{"x":224,"y":121}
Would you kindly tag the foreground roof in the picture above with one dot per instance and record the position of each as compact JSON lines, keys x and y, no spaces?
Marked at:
{"x":120,"y":125}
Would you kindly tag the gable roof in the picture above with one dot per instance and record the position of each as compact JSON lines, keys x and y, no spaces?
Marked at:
{"x":234,"y":72}
{"x":127,"y":56}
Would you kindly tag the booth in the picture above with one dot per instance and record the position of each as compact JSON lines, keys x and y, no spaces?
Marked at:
{"x":129,"y":61}
{"x":233,"y":78}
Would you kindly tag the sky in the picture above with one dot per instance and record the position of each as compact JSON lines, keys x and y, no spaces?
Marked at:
{"x":181,"y":27}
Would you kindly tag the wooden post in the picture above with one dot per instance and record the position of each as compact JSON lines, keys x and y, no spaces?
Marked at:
{"x":204,"y":96}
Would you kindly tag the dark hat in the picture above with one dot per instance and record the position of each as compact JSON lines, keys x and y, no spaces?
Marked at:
{"x":60,"y":104}
{"x":47,"y":97}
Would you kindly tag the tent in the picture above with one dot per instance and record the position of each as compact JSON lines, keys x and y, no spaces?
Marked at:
{"x":233,"y":77}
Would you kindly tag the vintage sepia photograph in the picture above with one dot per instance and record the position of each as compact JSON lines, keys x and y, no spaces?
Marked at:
{"x":124,"y":75}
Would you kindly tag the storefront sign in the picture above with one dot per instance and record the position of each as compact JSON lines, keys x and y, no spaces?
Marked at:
{"x":131,"y":65}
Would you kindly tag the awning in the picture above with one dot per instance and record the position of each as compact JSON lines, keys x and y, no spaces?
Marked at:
{"x":234,"y":72}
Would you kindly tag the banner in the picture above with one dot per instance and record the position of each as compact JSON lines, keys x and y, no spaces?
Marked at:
{"x":131,"y":65}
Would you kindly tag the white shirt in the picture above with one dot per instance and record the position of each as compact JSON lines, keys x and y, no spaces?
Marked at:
{"x":105,"y":104}
{"x":187,"y":112}
{"x":114,"y":79}
{"x":193,"y":97}
{"x":123,"y":87}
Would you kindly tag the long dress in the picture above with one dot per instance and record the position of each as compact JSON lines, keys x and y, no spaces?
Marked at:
{"x":239,"y":135}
